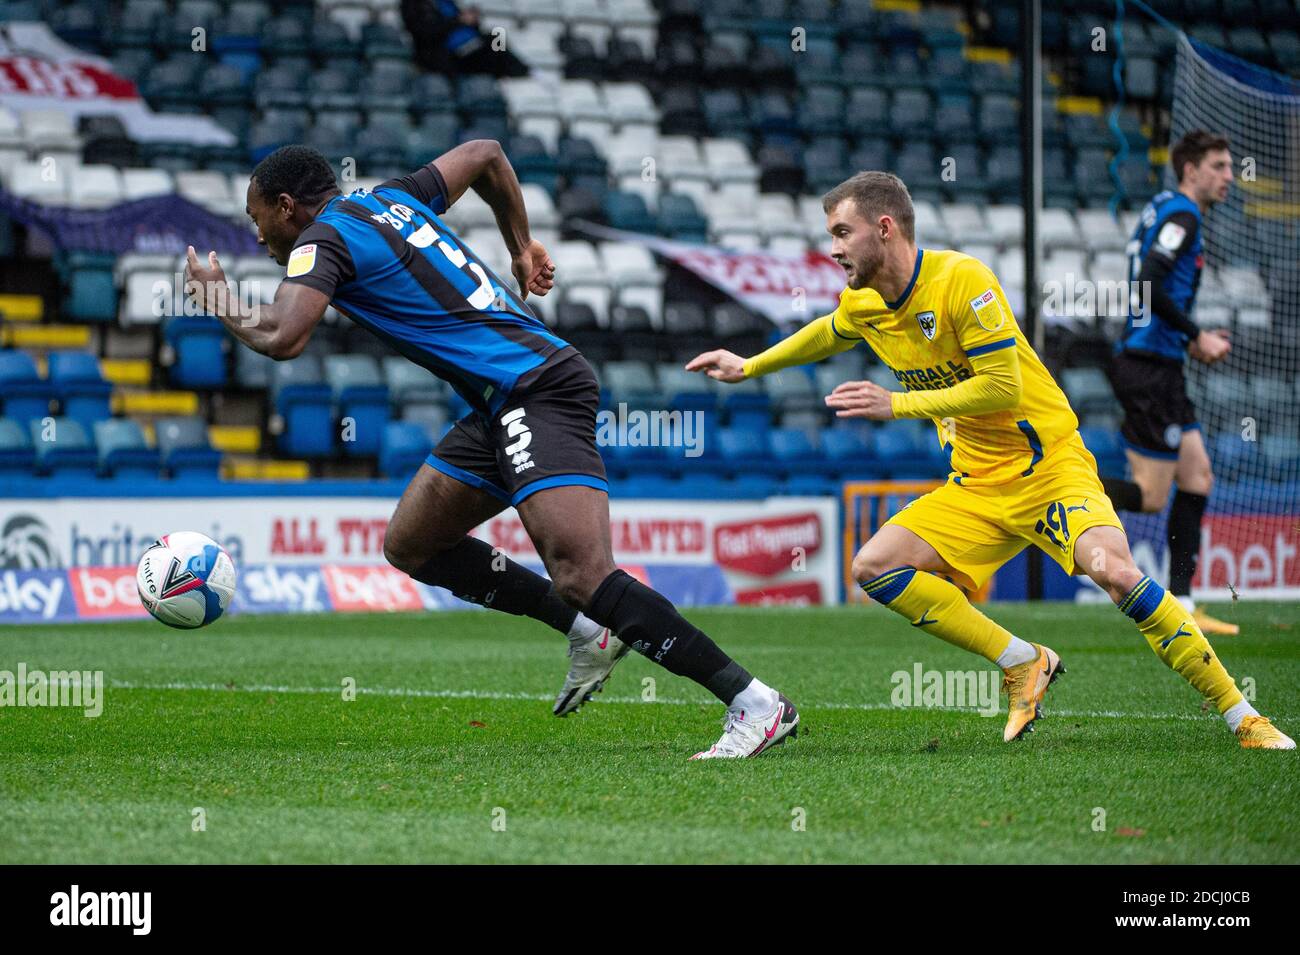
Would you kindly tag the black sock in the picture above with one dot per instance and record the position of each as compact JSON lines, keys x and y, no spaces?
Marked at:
{"x":1184,"y":535}
{"x":1125,"y":495}
{"x":473,"y":570}
{"x":651,"y":625}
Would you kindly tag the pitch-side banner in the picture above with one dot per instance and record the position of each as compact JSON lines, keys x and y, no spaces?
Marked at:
{"x":38,"y":71}
{"x":782,"y":287}
{"x":74,"y":559}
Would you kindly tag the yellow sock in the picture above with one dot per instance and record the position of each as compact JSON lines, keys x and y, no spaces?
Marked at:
{"x":1179,"y":643}
{"x":939,"y":608}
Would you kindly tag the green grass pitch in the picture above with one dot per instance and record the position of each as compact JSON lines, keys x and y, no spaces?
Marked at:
{"x":449,"y":752}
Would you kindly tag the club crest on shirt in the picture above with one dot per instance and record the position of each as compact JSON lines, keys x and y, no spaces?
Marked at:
{"x":927,"y":321}
{"x":987,"y":311}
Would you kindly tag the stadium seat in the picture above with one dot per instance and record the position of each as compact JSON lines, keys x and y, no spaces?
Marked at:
{"x":16,"y":453}
{"x":89,"y":289}
{"x":123,"y":451}
{"x":184,"y":447}
{"x":409,"y":383}
{"x":82,"y":391}
{"x":303,"y":401}
{"x":849,"y":452}
{"x":362,"y":401}
{"x":198,"y":344}
{"x":1104,"y":444}
{"x":793,"y":451}
{"x":62,"y":448}
{"x":403,"y":448}
{"x":25,"y":395}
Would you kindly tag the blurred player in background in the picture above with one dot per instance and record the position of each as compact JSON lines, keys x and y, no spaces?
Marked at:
{"x":1161,"y":435}
{"x":1020,"y":472}
{"x":386,"y":260}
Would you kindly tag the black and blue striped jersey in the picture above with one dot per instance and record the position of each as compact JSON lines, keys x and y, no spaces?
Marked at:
{"x":390,"y":264}
{"x":1165,"y":251}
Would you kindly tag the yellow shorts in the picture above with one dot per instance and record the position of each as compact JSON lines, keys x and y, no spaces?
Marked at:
{"x":978,"y":529}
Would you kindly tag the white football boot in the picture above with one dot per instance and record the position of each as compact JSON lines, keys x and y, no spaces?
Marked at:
{"x":748,"y":734}
{"x":589,"y":667}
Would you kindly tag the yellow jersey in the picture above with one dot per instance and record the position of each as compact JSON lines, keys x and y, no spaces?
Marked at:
{"x":954,"y":310}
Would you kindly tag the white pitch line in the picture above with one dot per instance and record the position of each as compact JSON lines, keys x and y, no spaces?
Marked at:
{"x":670,"y":701}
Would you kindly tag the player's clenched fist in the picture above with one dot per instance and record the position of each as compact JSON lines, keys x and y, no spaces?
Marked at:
{"x":861,"y":399}
{"x":719,"y":364}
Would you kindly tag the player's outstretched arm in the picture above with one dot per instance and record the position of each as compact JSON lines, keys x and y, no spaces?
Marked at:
{"x":813,"y":342}
{"x":279,"y":329}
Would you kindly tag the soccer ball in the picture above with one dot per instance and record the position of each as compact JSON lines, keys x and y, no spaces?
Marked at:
{"x":185,"y":580}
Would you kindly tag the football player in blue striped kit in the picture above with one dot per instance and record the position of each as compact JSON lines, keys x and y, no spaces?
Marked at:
{"x":385,"y":259}
{"x":1161,"y":435}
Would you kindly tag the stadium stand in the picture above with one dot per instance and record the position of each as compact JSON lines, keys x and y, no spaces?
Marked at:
{"x":743,"y":134}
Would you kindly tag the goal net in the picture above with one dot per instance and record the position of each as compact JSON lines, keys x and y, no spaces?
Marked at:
{"x":1249,"y":404}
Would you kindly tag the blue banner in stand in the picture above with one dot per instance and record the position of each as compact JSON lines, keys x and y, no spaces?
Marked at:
{"x":159,"y":224}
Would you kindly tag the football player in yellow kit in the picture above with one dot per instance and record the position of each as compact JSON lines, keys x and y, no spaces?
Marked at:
{"x":1020,"y":472}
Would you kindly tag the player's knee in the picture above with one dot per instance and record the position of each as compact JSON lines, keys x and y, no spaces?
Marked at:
{"x":576,"y":579}
{"x":1201,"y":481}
{"x":869,"y":564}
{"x":401,"y":556}
{"x":1117,"y":577}
{"x":408,"y":554}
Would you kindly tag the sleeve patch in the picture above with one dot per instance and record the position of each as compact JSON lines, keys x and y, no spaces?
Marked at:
{"x":1171,"y":236}
{"x":987,"y":311}
{"x":302,"y":260}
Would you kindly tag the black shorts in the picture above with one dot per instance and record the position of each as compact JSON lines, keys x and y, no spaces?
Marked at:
{"x":543,"y":436}
{"x":1157,"y":410}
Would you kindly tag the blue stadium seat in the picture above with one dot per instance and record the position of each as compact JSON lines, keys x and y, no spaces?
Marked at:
{"x":403,"y":448}
{"x":850,"y":453}
{"x":680,"y":218}
{"x":902,"y":454}
{"x":83,"y":392}
{"x":954,"y":119}
{"x":25,"y":395}
{"x":627,"y":210}
{"x":741,"y":450}
{"x":750,"y":486}
{"x":362,"y":397}
{"x":199,"y":344}
{"x":89,"y":290}
{"x":184,"y":447}
{"x":16,"y":453}
{"x":1105,"y":446}
{"x":911,"y":114}
{"x":808,"y":485}
{"x":303,"y":400}
{"x":794,"y":452}
{"x":123,"y":451}
{"x":62,"y":447}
